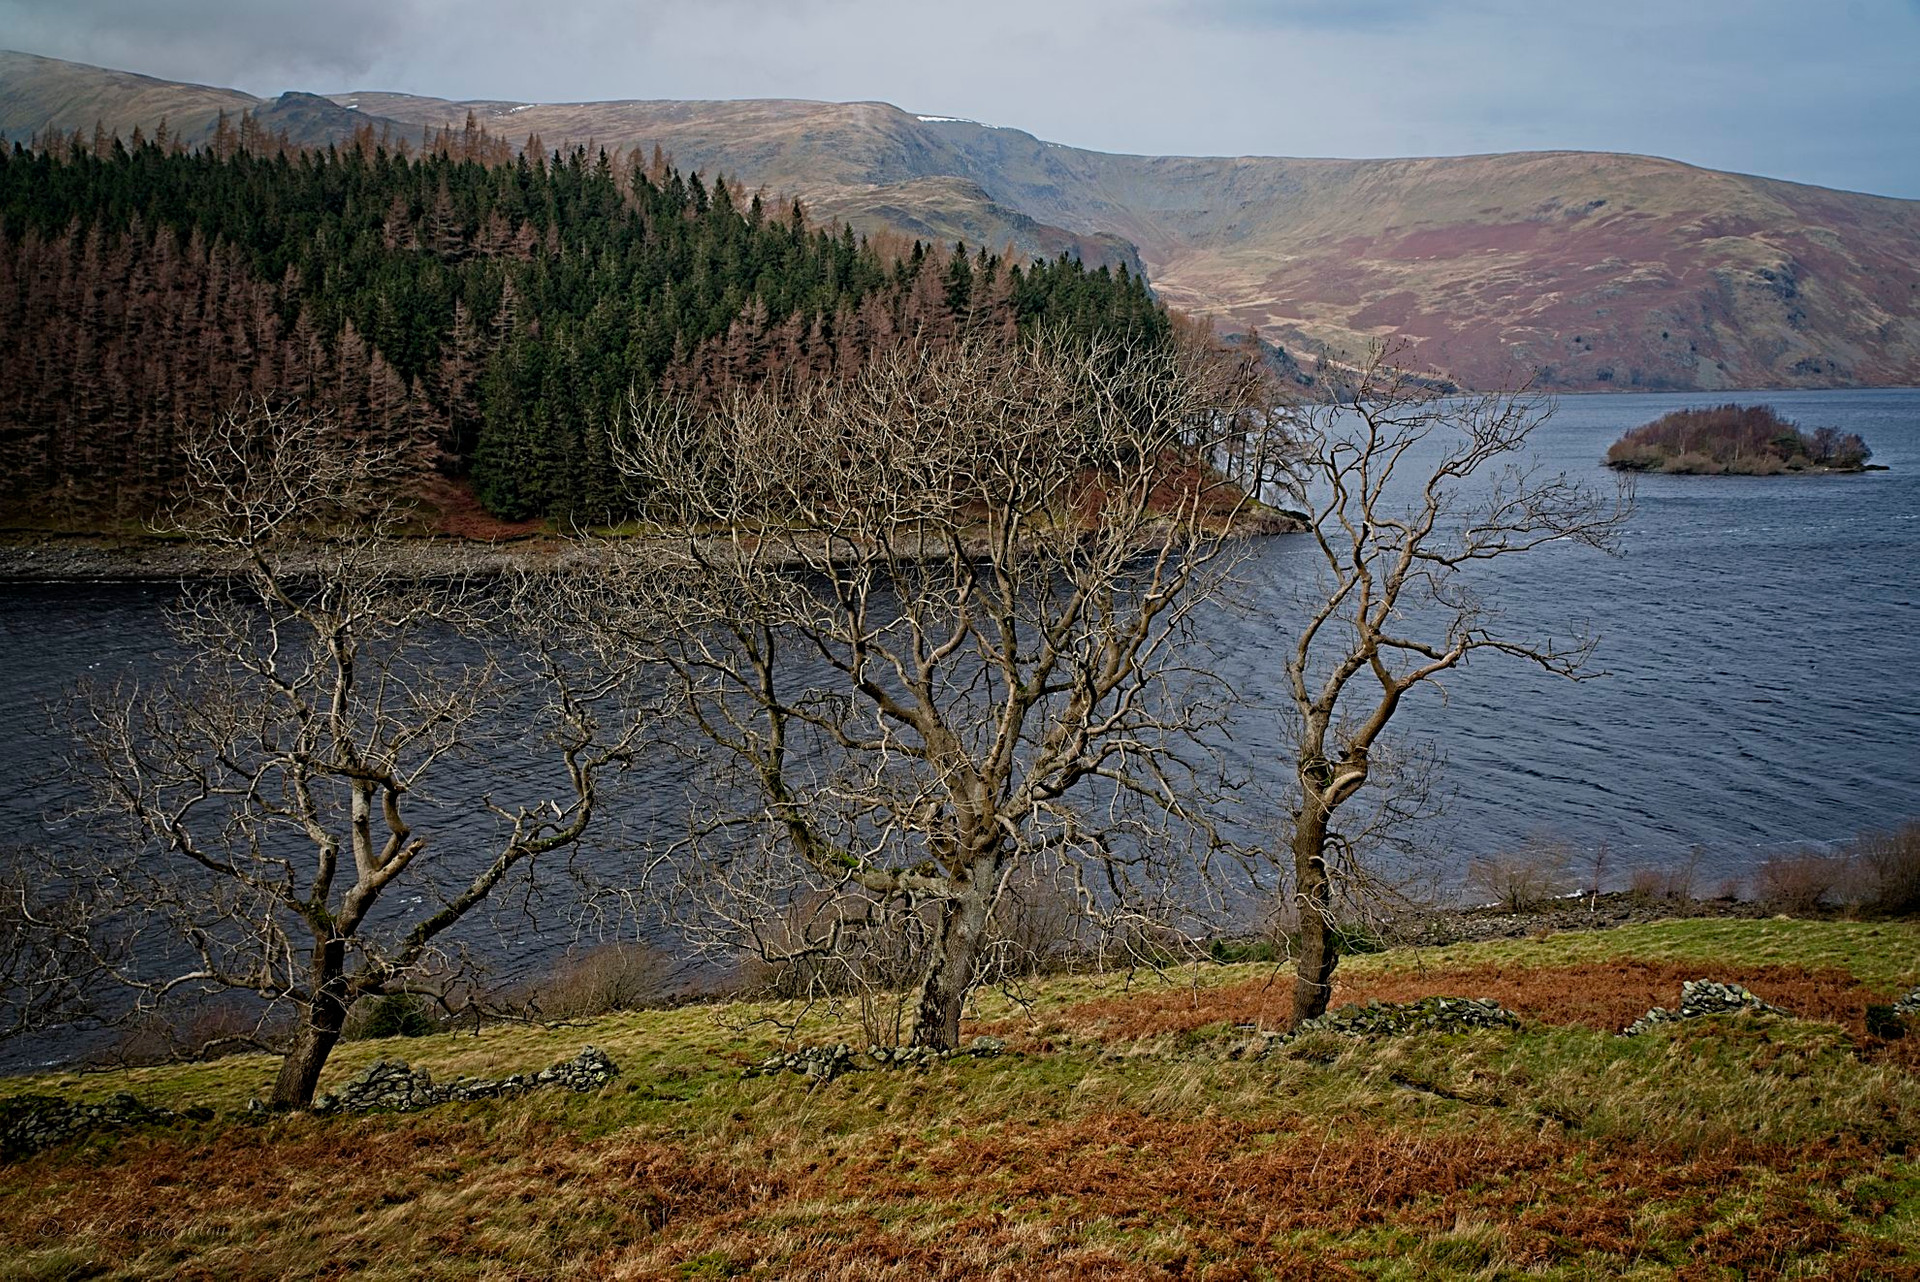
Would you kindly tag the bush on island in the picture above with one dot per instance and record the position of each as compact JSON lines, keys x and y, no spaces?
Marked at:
{"x":1741,"y":440}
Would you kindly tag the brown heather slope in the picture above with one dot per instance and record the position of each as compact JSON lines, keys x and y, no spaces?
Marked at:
{"x":1586,"y":270}
{"x":1593,"y":271}
{"x":1127,"y":1135}
{"x":38,"y":95}
{"x":44,"y":95}
{"x":866,"y":163}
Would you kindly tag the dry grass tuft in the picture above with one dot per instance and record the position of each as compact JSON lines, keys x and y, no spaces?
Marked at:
{"x":1742,"y":1148}
{"x":1605,"y":995}
{"x":1117,"y":1195}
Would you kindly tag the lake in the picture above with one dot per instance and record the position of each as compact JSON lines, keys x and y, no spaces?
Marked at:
{"x":1761,"y":686}
{"x":1758,"y":637}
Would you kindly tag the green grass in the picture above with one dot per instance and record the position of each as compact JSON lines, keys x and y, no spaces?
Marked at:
{"x":1884,"y":954}
{"x":1749,"y":1146}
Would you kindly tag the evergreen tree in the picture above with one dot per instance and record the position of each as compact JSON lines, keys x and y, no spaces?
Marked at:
{"x":499,"y":309}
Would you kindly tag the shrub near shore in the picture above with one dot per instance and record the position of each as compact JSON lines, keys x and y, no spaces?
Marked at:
{"x":1737,"y":440}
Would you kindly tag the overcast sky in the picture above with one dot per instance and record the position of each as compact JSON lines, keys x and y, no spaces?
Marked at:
{"x":1822,"y":91}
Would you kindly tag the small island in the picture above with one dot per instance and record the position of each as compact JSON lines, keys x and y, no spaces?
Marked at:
{"x":1736,"y":440}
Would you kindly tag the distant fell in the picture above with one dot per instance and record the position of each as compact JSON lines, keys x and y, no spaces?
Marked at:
{"x":44,"y":95}
{"x":1579,"y":270}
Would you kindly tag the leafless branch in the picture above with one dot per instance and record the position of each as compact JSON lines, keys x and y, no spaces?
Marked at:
{"x":934,"y":631}
{"x":1409,"y":491}
{"x":280,"y":784}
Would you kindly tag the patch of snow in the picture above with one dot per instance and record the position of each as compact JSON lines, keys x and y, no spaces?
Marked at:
{"x":528,"y":107}
{"x":946,"y":120}
{"x":353,"y":106}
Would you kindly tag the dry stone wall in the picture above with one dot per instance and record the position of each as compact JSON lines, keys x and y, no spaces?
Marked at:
{"x":824,"y":1063}
{"x":1702,"y":997}
{"x":394,"y":1086}
{"x":29,"y":1123}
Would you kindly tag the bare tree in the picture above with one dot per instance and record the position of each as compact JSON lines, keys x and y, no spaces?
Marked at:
{"x":937,"y":616}
{"x":54,"y":962}
{"x":1410,"y":492}
{"x":279,"y":787}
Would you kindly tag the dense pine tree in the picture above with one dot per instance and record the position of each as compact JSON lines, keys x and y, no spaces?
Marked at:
{"x":498,"y":311}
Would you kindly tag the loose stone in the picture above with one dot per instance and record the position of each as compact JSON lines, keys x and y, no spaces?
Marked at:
{"x":1393,"y":1019}
{"x":1700,"y":998}
{"x":391,"y":1084}
{"x":824,"y":1063}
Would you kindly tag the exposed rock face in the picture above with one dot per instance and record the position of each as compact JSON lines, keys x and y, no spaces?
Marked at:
{"x":1703,"y":997}
{"x":391,"y":1085}
{"x":1909,"y":1006}
{"x":824,"y":1063}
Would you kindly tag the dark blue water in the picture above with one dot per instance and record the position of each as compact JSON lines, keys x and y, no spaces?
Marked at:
{"x":1758,"y":640}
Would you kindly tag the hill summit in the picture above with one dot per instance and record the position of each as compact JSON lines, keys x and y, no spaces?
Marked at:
{"x":1579,"y":270}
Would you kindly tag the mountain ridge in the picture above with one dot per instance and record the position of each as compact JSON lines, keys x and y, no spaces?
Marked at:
{"x":1575,"y":270}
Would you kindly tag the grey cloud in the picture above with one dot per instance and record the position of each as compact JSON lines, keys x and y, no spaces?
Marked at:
{"x":1801,"y":89}
{"x":260,"y":46}
{"x":1317,"y":15}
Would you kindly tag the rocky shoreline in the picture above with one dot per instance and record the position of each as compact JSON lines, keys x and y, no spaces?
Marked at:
{"x":94,"y":558}
{"x":39,"y":556}
{"x":1603,"y":911}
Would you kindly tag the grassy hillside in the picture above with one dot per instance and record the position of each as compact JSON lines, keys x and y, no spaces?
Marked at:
{"x":46,"y":95}
{"x":1119,"y":1137}
{"x":1591,"y":271}
{"x":1586,"y":270}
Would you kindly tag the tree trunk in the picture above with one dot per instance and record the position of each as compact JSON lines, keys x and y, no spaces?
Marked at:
{"x":951,"y":964}
{"x":320,"y":1027}
{"x":1313,"y":895}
